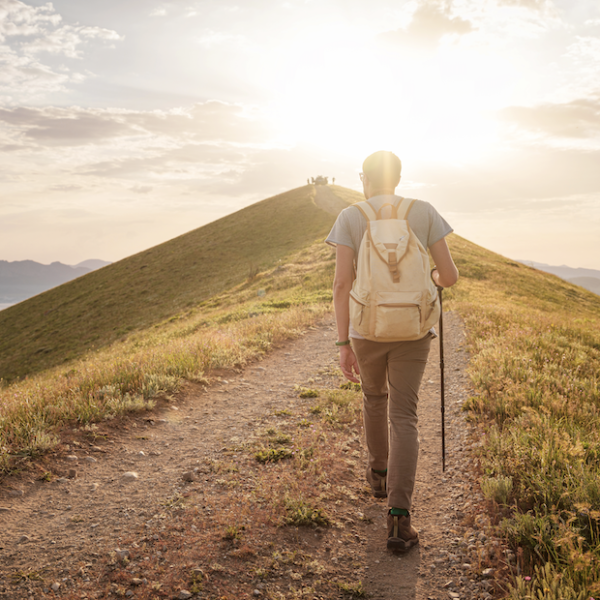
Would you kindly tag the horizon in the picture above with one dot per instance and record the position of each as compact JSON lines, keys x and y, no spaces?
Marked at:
{"x":125,"y":126}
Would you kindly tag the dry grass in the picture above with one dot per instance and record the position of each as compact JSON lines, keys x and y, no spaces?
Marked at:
{"x":535,"y":344}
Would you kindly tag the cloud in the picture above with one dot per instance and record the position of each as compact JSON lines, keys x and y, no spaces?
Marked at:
{"x":28,"y":31}
{"x":577,"y":119}
{"x":212,"y":38}
{"x":531,"y":4}
{"x":158,"y":12}
{"x":430,"y":22}
{"x":212,"y":121}
{"x":141,"y":189}
{"x":63,"y":126}
{"x":65,"y":187}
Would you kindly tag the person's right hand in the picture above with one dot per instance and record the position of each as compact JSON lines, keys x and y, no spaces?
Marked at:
{"x":348,"y":363}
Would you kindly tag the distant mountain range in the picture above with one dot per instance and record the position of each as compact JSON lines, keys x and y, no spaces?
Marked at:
{"x":22,"y":279}
{"x":586,"y":278}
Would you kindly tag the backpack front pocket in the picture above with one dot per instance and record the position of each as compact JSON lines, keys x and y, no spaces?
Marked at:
{"x":360,"y":314}
{"x":397,"y":316}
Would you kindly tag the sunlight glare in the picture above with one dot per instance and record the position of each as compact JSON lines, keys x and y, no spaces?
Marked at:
{"x":347,"y":95}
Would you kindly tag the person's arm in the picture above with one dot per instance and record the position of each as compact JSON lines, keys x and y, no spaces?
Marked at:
{"x":446,"y":273}
{"x":342,"y":284}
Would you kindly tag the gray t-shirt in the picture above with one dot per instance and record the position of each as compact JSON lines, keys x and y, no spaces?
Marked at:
{"x":348,"y":230}
{"x":427,"y":224}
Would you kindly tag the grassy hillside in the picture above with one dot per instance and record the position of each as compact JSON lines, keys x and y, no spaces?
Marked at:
{"x":137,"y":292}
{"x":535,"y":344}
{"x":534,"y":341}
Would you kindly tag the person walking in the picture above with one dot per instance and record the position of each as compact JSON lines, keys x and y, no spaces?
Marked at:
{"x":390,"y":372}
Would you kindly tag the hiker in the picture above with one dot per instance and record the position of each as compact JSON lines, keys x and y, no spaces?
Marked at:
{"x":390,"y":372}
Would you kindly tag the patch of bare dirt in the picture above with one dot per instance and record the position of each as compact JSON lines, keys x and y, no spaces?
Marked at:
{"x":168,"y":504}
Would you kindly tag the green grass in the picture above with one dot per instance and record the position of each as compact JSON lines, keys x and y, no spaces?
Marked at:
{"x":161,"y":283}
{"x":535,"y":344}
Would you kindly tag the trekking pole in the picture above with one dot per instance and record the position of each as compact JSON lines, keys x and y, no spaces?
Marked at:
{"x":443,"y":402}
{"x":440,"y":289}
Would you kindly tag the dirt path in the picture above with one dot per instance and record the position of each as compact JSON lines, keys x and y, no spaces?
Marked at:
{"x":113,"y":482}
{"x":328,"y":201}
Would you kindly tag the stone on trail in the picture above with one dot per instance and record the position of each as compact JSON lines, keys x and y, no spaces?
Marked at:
{"x":184,"y":595}
{"x":130,"y":476}
{"x":487,"y":573}
{"x":55,"y":586}
{"x":189,"y":476}
{"x":122,"y":554}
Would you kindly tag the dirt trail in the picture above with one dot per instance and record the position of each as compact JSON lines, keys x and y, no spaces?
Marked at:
{"x":328,"y":201}
{"x":69,"y":522}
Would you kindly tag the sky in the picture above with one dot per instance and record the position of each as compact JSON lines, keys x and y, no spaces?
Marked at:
{"x":125,"y":124}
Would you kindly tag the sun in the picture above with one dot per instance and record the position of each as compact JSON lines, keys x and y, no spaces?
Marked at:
{"x":349,"y":97}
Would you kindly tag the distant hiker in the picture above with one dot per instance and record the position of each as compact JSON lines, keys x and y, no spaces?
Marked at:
{"x":390,"y":371}
{"x":308,"y":181}
{"x":333,"y":180}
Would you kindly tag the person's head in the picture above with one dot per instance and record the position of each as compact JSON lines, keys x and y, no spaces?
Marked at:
{"x":381,"y":173}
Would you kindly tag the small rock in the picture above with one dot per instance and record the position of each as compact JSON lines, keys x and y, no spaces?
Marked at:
{"x":90,"y":459}
{"x":184,"y":595}
{"x":4,"y":509}
{"x":72,"y":474}
{"x":448,"y":584}
{"x":123,"y":554}
{"x":98,"y":449}
{"x":129,"y":593}
{"x":55,"y":586}
{"x":95,"y":486}
{"x":130,"y":476}
{"x":256,"y":592}
{"x":465,"y":566}
{"x":189,"y":476}
{"x":487,"y":573}
{"x":454,"y":595}
{"x":23,"y":539}
{"x":141,"y":453}
{"x":71,"y":457}
{"x":15,"y":493}
{"x":137,"y":581}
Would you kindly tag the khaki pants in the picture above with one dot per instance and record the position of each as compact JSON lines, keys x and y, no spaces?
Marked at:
{"x":397,"y":367}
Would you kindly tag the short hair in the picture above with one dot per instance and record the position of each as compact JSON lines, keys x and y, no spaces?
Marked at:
{"x":383,"y":169}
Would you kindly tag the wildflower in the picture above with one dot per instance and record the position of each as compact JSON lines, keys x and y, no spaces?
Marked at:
{"x":527,"y":578}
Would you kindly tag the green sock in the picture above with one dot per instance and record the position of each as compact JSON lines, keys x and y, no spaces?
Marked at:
{"x":379,"y":472}
{"x":398,"y":512}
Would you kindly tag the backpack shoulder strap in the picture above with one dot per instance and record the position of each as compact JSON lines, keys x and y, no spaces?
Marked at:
{"x":404,"y":205}
{"x":367,"y":211}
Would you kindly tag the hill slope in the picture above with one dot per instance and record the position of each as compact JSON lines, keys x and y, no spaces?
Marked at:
{"x":141,"y":290}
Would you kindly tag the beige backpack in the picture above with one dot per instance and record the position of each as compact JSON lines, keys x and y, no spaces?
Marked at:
{"x":393,"y":297}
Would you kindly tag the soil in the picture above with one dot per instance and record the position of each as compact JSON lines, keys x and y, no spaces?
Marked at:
{"x":63,"y":518}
